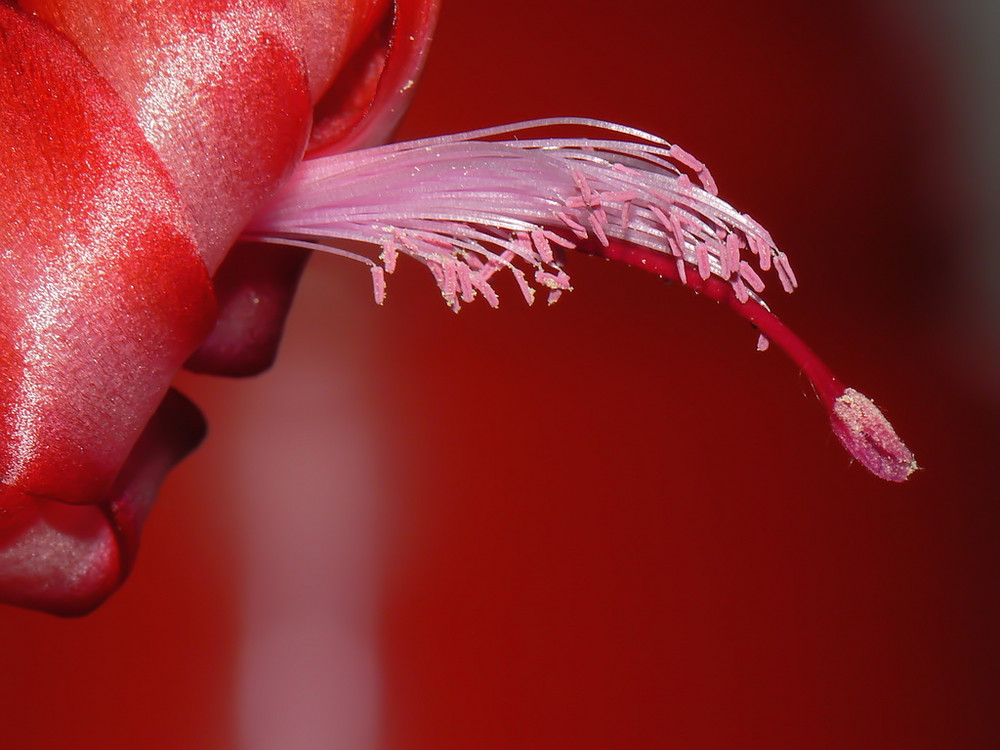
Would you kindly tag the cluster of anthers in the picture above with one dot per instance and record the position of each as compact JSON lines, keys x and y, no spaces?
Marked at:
{"x":469,"y":205}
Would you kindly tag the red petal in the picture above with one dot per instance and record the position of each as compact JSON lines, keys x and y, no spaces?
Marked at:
{"x":104,"y":293}
{"x":367,"y":101}
{"x":67,"y":559}
{"x":219,"y":89}
{"x":254,"y":286}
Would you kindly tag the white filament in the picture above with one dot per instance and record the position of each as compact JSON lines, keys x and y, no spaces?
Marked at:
{"x":467,"y":206}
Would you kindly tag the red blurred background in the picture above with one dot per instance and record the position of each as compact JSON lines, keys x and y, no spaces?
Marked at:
{"x":610,"y":523}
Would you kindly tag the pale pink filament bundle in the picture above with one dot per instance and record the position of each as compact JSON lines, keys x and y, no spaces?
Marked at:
{"x":467,"y":206}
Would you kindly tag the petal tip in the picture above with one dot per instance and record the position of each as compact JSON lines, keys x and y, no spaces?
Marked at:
{"x":54,"y":557}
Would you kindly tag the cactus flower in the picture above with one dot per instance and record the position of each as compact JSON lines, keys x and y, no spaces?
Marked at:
{"x":167,"y":172}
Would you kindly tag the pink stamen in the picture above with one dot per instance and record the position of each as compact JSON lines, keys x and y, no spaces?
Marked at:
{"x":784,"y":269}
{"x":523,"y":248}
{"x":750,"y":276}
{"x":625,"y":170}
{"x":678,"y":154}
{"x":708,"y":182}
{"x":442,"y":243}
{"x":678,"y":232}
{"x":621,"y":197}
{"x":662,"y":218}
{"x":552,"y":280}
{"x":674,"y":249}
{"x":784,"y":275}
{"x":450,"y":278}
{"x":705,"y":177}
{"x":574,"y":226}
{"x":726,"y":271}
{"x":704,"y":269}
{"x":763,"y":251}
{"x":742,"y":293}
{"x":559,"y":239}
{"x":595,"y":222}
{"x":526,"y":291}
{"x":389,"y":255}
{"x":465,"y":282}
{"x":484,"y":288}
{"x":585,"y":191}
{"x":378,"y":284}
{"x":541,"y":243}
{"x":732,"y":251}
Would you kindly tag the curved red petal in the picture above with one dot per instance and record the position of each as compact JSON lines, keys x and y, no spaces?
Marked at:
{"x":255,"y":286}
{"x":219,"y":89}
{"x":55,"y":557}
{"x":378,"y":82}
{"x":67,"y":559}
{"x":105,"y":295}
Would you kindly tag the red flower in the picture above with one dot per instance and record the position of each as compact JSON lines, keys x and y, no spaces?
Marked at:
{"x":137,"y":139}
{"x":136,"y":155}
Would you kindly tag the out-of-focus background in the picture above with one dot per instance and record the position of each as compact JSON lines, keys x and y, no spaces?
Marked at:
{"x":610,"y":523}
